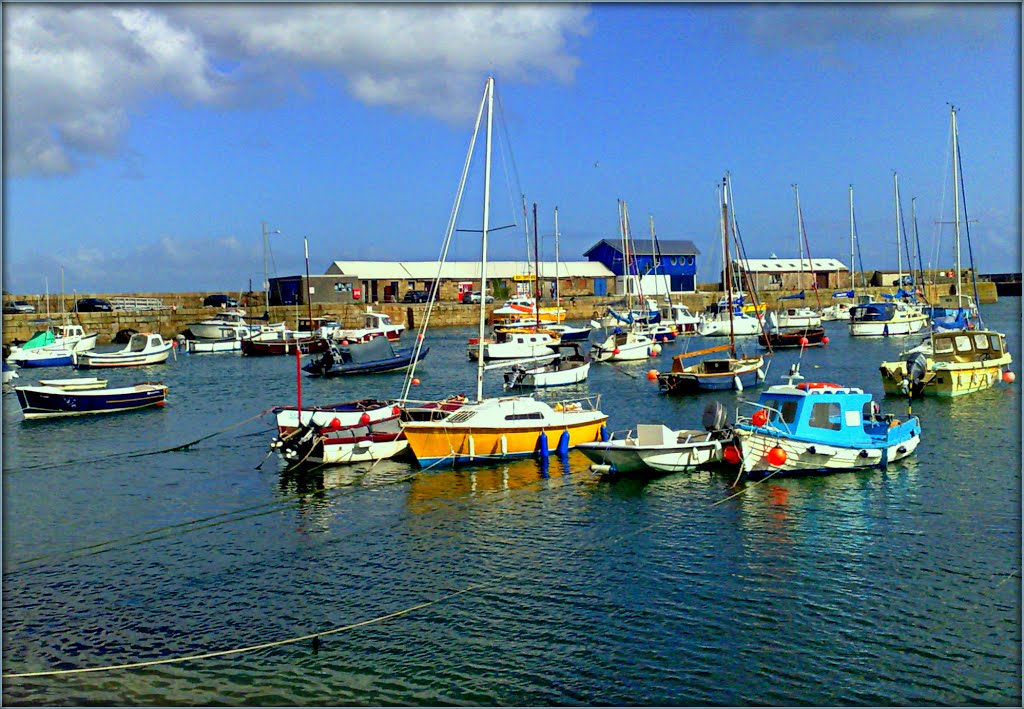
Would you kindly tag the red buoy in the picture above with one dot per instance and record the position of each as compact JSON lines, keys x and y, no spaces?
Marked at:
{"x":777,"y":456}
{"x":1009,"y":376}
{"x":652,"y":374}
{"x":395,"y":410}
{"x":731,"y":454}
{"x":760,"y":418}
{"x":335,"y":423}
{"x":824,"y":340}
{"x":804,"y":341}
{"x":616,"y":351}
{"x":364,"y":419}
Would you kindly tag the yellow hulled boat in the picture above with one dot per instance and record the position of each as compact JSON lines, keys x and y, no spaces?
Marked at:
{"x":953,"y":363}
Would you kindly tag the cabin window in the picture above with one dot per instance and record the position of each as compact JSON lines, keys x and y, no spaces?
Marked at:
{"x":943,"y":345}
{"x":962,"y":343}
{"x":520,"y":417}
{"x":981,"y":341}
{"x":772,"y":407}
{"x":789,"y":411}
{"x":997,"y":344}
{"x":825,"y":416}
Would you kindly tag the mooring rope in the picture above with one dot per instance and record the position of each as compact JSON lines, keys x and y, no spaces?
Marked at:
{"x":141,"y":454}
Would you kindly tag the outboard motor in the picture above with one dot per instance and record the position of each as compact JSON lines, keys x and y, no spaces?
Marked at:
{"x":917,"y":365}
{"x":715,"y":417}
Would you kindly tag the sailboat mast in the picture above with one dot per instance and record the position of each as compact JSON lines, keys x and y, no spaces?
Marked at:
{"x":899,"y":249}
{"x":483,"y":242}
{"x":853,"y":266}
{"x":728,"y":266}
{"x":956,"y":204}
{"x":558,"y":294}
{"x":266,"y":278}
{"x":799,"y":233}
{"x":536,"y":282}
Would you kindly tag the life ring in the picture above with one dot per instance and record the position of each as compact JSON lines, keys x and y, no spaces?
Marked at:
{"x":806,"y":386}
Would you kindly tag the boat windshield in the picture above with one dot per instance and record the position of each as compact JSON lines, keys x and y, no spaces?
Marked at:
{"x":825,"y":415}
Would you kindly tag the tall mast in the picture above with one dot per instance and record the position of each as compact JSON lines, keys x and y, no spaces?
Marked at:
{"x":853,"y":266}
{"x":654,"y":257}
{"x":956,"y":203}
{"x":489,"y":94}
{"x":558,"y":294}
{"x":899,"y":249}
{"x":799,"y":233}
{"x":728,"y":265}
{"x":266,"y":277}
{"x":536,"y":255}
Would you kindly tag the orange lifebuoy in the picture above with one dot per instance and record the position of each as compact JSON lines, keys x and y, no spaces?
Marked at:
{"x":818,"y":385}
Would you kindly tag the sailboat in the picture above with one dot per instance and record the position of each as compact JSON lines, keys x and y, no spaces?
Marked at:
{"x":799,"y":326}
{"x":715,"y":373}
{"x":899,"y":315}
{"x":628,"y":341}
{"x":957,"y":361}
{"x":498,"y":428}
{"x":50,"y":348}
{"x":841,"y":310}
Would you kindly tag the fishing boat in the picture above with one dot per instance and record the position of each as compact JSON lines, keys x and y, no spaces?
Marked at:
{"x":523,"y":311}
{"x":348,"y":432}
{"x":679,"y":317}
{"x":50,"y":348}
{"x":656,"y":448}
{"x":819,"y":427}
{"x":310,"y":338}
{"x":489,"y":429}
{"x":144,"y":348}
{"x":569,"y":366}
{"x":948,"y":364}
{"x":73,"y":398}
{"x":716,"y":373}
{"x":514,"y":343}
{"x":227,"y":324}
{"x":622,"y":345}
{"x":374,"y":325}
{"x":957,"y":358}
{"x":75,"y":383}
{"x":370,"y":357}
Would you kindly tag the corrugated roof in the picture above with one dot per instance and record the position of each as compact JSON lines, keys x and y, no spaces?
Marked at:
{"x":463,"y":270}
{"x":666,"y":247}
{"x":787,"y":265}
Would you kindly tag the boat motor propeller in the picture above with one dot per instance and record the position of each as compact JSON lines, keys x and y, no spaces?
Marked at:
{"x":917,"y":365}
{"x":715,"y":417}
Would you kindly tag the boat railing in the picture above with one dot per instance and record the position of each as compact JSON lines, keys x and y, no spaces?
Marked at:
{"x":771,"y":424}
{"x":582,"y":403}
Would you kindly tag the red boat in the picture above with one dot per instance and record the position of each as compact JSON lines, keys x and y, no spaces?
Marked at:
{"x":314,"y":344}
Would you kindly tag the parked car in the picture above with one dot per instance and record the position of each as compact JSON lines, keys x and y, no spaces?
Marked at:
{"x":474,"y":297}
{"x":92,"y":305}
{"x":416,"y":296}
{"x":219,"y":300}
{"x":19,"y":306}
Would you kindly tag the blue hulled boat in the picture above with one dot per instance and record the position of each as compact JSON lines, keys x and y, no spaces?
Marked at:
{"x":65,"y":398}
{"x":819,"y":427}
{"x":375,"y":356}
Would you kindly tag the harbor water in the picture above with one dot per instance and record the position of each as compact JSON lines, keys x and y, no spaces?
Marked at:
{"x":508,"y":584}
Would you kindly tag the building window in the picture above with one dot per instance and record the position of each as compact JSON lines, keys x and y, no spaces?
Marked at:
{"x":672,"y":260}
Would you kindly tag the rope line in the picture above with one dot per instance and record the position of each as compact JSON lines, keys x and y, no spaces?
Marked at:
{"x":251,"y":648}
{"x":142,"y":454}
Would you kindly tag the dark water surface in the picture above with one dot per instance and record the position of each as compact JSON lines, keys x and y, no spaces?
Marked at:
{"x":506,"y":585}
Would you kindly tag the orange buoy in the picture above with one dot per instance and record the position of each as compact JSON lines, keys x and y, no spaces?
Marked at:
{"x":344,"y":343}
{"x":760,"y":418}
{"x":731,"y":454}
{"x":652,"y":374}
{"x":1009,"y":376}
{"x":777,"y":456}
{"x":419,"y":336}
{"x":415,"y":382}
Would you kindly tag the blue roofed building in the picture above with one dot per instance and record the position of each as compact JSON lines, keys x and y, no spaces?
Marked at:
{"x":671,"y":262}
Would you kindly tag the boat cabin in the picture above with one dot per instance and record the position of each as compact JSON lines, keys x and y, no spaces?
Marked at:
{"x":966,"y":346}
{"x":144,"y":341}
{"x":72,"y":331}
{"x":827,"y":413}
{"x":376,"y":320}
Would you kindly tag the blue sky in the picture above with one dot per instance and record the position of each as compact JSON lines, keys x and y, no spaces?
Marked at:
{"x":144,"y":145}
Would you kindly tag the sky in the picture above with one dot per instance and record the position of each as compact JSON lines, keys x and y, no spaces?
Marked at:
{"x":145,"y":146}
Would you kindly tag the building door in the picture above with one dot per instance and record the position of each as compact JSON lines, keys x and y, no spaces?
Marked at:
{"x":600,"y":286}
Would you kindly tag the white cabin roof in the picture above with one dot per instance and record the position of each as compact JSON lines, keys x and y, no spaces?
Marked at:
{"x":464,"y":270}
{"x":789,"y":265}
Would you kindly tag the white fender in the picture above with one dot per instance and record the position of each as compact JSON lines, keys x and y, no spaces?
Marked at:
{"x":760,"y":374}
{"x":504,"y":445}
{"x":472,"y":447}
{"x":737,"y":383}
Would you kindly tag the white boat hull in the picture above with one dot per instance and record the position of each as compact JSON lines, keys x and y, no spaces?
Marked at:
{"x":741,"y":325}
{"x":888,"y":328}
{"x":655,"y":447}
{"x":802,"y":456}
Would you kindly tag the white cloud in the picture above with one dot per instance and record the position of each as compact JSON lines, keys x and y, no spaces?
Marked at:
{"x":75,"y":73}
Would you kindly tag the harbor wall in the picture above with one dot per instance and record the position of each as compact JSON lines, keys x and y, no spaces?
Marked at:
{"x":184,"y":308}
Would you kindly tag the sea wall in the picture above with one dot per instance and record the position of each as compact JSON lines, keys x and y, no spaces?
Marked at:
{"x":185,"y":308}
